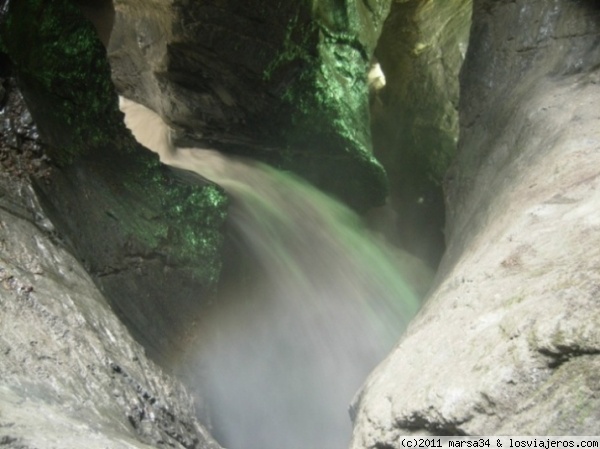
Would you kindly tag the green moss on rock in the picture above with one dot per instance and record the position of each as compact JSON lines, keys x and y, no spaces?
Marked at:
{"x":138,"y":227}
{"x":44,"y":40}
{"x":325,"y":109}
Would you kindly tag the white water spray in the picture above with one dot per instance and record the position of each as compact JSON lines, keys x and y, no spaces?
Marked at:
{"x":317,"y":304}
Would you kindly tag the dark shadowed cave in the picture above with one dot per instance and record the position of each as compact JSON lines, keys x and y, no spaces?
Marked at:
{"x":487,"y":172}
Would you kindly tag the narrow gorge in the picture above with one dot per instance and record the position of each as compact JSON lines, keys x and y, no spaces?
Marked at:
{"x":366,"y":219}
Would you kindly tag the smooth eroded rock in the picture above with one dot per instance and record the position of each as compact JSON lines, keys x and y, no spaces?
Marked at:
{"x":507,"y":343}
{"x":415,"y":114}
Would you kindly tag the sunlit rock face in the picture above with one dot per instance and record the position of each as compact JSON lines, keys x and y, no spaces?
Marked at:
{"x":415,"y":116}
{"x":284,"y":83}
{"x":508,"y":341}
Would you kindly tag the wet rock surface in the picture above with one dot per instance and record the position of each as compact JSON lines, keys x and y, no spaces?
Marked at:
{"x":507,"y":343}
{"x":71,"y":376}
{"x":21,"y":148}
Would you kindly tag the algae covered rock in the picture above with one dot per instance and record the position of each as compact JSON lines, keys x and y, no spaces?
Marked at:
{"x":138,"y":229}
{"x":283,"y":82}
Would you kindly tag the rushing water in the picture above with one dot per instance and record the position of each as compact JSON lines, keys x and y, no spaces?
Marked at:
{"x":314,"y":303}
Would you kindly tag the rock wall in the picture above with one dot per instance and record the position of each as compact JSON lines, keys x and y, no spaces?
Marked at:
{"x":415,"y":115}
{"x":507,"y":343}
{"x":71,"y":376}
{"x":284,"y":83}
{"x":137,"y":227}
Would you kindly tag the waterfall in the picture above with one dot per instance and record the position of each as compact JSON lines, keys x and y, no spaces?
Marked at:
{"x":315,"y":302}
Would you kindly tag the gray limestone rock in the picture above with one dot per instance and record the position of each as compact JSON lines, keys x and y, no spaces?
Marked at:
{"x":71,"y":376}
{"x":507,"y":342}
{"x":414,"y":116}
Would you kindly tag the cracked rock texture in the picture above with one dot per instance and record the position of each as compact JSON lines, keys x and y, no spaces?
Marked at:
{"x":71,"y":376}
{"x":508,"y":341}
